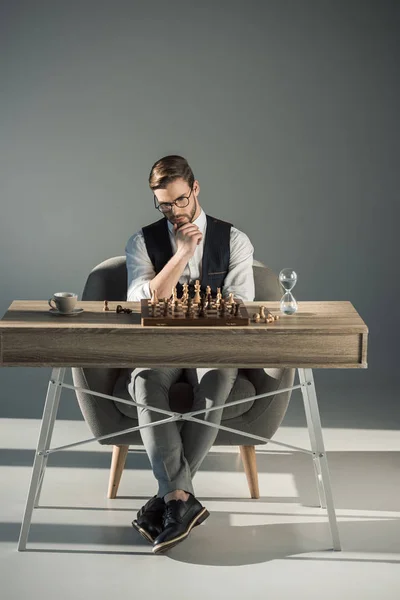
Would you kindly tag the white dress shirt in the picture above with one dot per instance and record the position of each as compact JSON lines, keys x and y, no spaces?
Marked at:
{"x":238,"y":280}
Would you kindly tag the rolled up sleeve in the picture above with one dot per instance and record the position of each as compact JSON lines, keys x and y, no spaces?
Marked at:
{"x":240,"y":278}
{"x":140,"y":268}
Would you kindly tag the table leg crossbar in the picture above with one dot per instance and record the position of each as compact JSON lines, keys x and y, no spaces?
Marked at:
{"x":317,"y":451}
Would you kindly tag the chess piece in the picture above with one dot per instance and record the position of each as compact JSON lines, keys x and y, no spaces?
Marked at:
{"x":288,"y":279}
{"x":203,"y":304}
{"x":176,"y":307}
{"x":196,"y":298}
{"x":262,"y":312}
{"x":154,"y":299}
{"x":208,"y":290}
{"x":174,"y":296}
{"x":185,"y":294}
{"x":106,"y":305}
{"x":222,"y":307}
{"x":256,"y":317}
{"x":270,"y":316}
{"x":230,"y":299}
{"x":219,"y":296}
{"x":189,"y":308}
{"x":237,"y":309}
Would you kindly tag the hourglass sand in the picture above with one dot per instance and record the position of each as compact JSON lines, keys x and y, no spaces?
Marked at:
{"x":288,"y":279}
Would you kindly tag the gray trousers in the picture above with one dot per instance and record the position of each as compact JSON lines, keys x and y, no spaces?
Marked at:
{"x":176,"y":450}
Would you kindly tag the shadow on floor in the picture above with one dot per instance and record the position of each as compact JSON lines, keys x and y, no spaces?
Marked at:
{"x":216,"y":543}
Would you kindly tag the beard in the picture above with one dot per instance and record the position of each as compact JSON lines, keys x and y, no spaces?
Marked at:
{"x":187,"y":217}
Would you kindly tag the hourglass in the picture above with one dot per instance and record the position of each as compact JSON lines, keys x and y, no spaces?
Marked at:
{"x":288,"y":279}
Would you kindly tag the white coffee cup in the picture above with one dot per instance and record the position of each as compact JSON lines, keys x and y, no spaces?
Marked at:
{"x":64,"y":302}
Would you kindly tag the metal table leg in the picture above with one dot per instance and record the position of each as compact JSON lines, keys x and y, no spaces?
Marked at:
{"x":39,"y":465}
{"x":319,"y":454}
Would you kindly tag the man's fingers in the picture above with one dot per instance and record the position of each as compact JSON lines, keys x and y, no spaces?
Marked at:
{"x":189,"y":233}
{"x":187,"y":226}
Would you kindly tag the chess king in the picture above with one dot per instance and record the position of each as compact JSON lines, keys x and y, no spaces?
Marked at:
{"x":184,"y":245}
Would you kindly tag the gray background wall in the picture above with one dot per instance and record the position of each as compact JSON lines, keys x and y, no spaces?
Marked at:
{"x":287,"y":112}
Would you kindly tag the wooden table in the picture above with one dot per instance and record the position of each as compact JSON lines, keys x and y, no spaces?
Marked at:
{"x":321,"y":335}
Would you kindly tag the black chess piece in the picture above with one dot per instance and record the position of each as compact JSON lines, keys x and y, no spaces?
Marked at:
{"x":202,"y":310}
{"x":189,"y":309}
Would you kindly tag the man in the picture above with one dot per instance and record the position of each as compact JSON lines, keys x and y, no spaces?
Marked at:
{"x":184,"y":245}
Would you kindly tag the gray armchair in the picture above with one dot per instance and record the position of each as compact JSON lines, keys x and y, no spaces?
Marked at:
{"x":262,"y":417}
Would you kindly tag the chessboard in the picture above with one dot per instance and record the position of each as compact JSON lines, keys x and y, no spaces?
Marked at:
{"x":177,"y":313}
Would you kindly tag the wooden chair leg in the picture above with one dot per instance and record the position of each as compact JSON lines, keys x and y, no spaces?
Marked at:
{"x":117,"y":466}
{"x":248,"y":455}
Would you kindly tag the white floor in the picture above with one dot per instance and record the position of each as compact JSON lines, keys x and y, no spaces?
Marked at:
{"x":82,"y":545}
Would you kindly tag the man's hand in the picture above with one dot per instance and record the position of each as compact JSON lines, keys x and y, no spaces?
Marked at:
{"x":187,"y":238}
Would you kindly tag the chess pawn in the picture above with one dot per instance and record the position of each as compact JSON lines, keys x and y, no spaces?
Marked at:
{"x":230,"y":299}
{"x":154,"y":299}
{"x":271,"y":316}
{"x":105,"y":308}
{"x":219,"y":296}
{"x":256,"y":317}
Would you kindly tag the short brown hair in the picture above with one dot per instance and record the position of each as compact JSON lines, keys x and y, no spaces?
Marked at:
{"x":169,"y":168}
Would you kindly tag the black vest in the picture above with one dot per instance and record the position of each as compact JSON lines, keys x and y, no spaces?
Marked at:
{"x":216,"y":251}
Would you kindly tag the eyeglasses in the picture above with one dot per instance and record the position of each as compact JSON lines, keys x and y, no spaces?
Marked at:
{"x":167,"y":206}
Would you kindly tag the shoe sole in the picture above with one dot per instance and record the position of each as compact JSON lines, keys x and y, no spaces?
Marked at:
{"x":198,"y":519}
{"x":143,"y":532}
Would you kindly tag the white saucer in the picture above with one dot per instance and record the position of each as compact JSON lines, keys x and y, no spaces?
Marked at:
{"x":76,"y":311}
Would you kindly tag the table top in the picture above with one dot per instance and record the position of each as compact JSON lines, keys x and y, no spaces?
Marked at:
{"x":321,"y":316}
{"x":321,"y":334}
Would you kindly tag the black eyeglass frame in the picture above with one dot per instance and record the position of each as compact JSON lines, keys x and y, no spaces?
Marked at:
{"x":174,"y":202}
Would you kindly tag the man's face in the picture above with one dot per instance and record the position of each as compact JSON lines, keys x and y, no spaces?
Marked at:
{"x":174,"y":190}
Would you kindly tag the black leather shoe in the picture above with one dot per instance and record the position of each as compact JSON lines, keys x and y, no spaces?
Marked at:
{"x":149,"y":520}
{"x":179,"y":519}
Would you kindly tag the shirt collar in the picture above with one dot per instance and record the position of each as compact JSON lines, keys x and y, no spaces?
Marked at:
{"x":200,"y":222}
